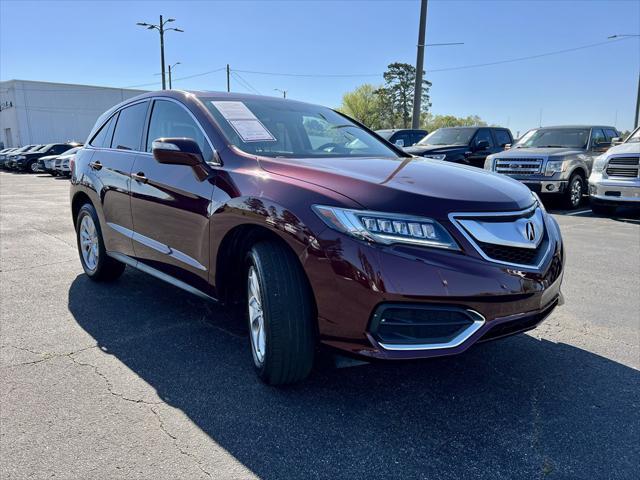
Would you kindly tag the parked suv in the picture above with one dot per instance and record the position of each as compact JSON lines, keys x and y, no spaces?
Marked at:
{"x":555,"y":160}
{"x":615,"y":178}
{"x":11,"y":158}
{"x":402,"y":137}
{"x":28,"y":161}
{"x":466,"y":145}
{"x":323,"y":231}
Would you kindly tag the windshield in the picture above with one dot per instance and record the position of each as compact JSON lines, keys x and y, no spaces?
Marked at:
{"x":386,"y":134}
{"x":281,"y":128}
{"x":554,"y":138}
{"x":449,"y":136}
{"x":634,"y":137}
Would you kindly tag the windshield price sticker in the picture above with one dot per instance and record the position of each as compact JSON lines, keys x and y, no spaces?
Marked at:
{"x":243,"y":121}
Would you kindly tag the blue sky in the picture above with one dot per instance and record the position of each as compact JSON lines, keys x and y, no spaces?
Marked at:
{"x":98,"y":43}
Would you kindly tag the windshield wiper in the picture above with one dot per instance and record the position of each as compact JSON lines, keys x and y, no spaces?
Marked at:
{"x":552,"y":146}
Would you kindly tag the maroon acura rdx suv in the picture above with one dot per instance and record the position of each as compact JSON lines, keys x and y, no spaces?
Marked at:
{"x":325,"y":232}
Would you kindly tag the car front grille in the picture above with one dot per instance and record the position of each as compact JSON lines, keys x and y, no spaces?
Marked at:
{"x":518,"y":166}
{"x":519,"y":256}
{"x":626,"y":167}
{"x":502,"y":237}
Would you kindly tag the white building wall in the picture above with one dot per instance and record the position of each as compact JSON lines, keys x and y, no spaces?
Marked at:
{"x":44,"y":112}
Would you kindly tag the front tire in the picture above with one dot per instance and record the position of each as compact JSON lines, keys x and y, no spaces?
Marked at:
{"x":280,"y":314}
{"x":33,"y":167}
{"x":93,"y":256}
{"x":574,"y":191}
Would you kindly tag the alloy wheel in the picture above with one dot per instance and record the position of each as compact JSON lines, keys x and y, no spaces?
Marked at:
{"x":89,"y":243}
{"x":256,"y":317}
{"x":33,"y":167}
{"x":576,"y":192}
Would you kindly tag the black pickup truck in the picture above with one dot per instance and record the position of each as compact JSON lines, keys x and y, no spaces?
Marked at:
{"x":467,"y":145}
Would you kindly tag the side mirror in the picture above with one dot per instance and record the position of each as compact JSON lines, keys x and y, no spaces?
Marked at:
{"x":399,"y":143}
{"x":177,"y":151}
{"x":482,"y":145}
{"x":506,"y":146}
{"x":180,"y":151}
{"x":601,"y":146}
{"x":616,"y":140}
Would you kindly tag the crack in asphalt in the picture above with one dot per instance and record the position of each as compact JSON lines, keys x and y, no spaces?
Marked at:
{"x":110,"y":385}
{"x":46,"y":355}
{"x":175,"y":442}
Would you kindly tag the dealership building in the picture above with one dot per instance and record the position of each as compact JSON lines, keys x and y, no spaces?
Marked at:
{"x":44,"y":112}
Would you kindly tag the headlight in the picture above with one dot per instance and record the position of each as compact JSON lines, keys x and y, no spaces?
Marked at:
{"x":489,"y":164}
{"x":386,"y":228}
{"x":435,"y":156}
{"x":555,"y":166}
{"x":599,"y":163}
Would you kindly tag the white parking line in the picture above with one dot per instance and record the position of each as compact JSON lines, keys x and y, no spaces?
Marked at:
{"x":579,"y":212}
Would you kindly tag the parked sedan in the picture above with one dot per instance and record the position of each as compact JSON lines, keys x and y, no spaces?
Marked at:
{"x":11,"y":158}
{"x":61,"y":164}
{"x":28,"y":161}
{"x":341,"y":239}
{"x":5,"y":153}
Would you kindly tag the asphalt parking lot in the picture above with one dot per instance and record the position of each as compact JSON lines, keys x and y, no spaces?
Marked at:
{"x":139,"y":380}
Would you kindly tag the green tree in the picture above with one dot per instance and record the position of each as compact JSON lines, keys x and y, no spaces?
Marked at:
{"x":398,"y":91}
{"x":433,"y":122}
{"x":363,"y":104}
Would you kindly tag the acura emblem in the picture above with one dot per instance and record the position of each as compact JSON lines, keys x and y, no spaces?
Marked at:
{"x":530,"y":231}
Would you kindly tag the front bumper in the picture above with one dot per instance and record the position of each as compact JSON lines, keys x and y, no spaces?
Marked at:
{"x":614,"y":192}
{"x":546,"y":186}
{"x":352,"y":280}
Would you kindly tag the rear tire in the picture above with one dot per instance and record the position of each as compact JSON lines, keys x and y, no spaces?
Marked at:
{"x":280,"y":313}
{"x":93,"y":256}
{"x":574,"y":191}
{"x":604,"y":210}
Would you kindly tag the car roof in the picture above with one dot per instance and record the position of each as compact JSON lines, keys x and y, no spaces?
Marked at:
{"x":577,"y":126}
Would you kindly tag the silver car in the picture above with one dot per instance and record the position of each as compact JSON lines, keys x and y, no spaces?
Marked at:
{"x":615,"y":179}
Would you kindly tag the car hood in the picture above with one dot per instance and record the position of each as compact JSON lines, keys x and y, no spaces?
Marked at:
{"x":540,"y":152}
{"x":422,"y":149}
{"x":49,"y":157}
{"x":633,"y":148}
{"x":416,"y":186}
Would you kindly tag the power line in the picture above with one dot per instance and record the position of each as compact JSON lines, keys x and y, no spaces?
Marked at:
{"x":244,"y":83}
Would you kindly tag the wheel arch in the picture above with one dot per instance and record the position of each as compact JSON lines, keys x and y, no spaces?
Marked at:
{"x":79,"y":199}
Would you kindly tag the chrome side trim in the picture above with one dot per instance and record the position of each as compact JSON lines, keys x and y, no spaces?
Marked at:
{"x":453,"y":219}
{"x":158,"y":246}
{"x":458,"y":340}
{"x":160,"y":275}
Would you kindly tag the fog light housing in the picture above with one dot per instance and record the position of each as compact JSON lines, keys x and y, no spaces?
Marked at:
{"x":550,"y":187}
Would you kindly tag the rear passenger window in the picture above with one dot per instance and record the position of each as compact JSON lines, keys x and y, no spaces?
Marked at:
{"x":170,"y":120}
{"x":128,"y":132}
{"x":502,"y":137}
{"x":484,"y":134}
{"x":611,"y":134}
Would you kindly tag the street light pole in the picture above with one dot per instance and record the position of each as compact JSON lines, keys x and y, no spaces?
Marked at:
{"x":161,"y":30}
{"x":636,"y":121}
{"x":170,"y":69}
{"x":283,"y":92}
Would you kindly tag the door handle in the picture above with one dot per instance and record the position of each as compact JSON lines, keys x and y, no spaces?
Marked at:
{"x":139,"y":177}
{"x":95,"y":165}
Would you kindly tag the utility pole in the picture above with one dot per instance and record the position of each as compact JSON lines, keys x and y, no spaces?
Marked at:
{"x":417,"y":97}
{"x":161,"y":29}
{"x":228,"y":79}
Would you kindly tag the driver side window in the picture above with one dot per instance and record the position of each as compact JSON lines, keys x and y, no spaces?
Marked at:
{"x":597,"y":136}
{"x":484,"y":134}
{"x":170,"y":120}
